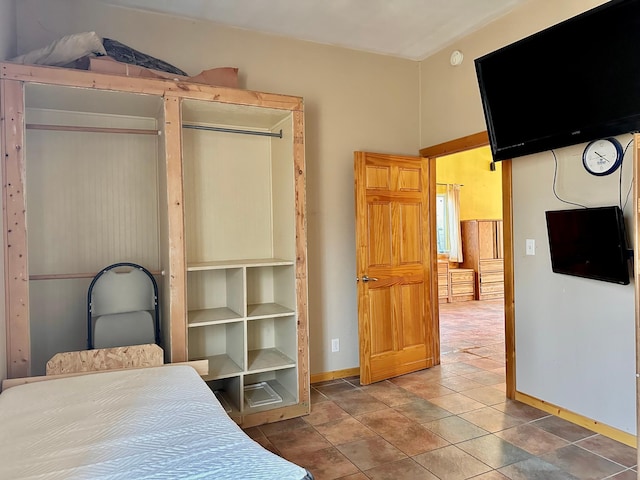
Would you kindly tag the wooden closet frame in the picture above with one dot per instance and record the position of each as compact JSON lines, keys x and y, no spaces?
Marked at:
{"x":16,"y":275}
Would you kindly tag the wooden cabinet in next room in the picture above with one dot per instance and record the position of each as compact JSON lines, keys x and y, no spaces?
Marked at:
{"x":482,"y":250}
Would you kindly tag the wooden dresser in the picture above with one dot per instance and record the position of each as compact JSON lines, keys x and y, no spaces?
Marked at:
{"x":443,"y":280}
{"x":462,"y":284}
{"x":482,"y":250}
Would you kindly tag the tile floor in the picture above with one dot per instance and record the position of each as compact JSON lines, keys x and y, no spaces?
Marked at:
{"x":449,"y":422}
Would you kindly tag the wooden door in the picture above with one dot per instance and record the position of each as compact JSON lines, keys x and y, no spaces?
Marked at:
{"x":397,"y":291}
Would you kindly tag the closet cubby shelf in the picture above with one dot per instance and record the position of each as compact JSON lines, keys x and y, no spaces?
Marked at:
{"x":222,"y":264}
{"x":212,"y":316}
{"x":267,"y":310}
{"x":267,"y":360}
{"x":222,"y":366}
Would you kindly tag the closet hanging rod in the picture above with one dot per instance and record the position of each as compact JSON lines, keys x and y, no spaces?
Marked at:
{"x":73,"y":128}
{"x":67,"y":276}
{"x":233,"y":130}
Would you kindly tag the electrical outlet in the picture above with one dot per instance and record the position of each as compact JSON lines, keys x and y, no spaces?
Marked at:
{"x":335,"y":345}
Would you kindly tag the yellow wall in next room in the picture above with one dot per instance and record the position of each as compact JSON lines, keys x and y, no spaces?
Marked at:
{"x":481,"y":195}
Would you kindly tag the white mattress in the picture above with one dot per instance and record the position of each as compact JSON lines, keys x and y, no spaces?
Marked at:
{"x":151,"y":423}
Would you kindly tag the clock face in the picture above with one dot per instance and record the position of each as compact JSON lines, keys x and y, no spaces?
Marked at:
{"x":602,"y":157}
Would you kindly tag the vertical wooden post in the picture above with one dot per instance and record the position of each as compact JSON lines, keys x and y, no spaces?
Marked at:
{"x":16,"y":273}
{"x":430,"y":167}
{"x":177,"y":268}
{"x":301,"y":258}
{"x":509,"y":291}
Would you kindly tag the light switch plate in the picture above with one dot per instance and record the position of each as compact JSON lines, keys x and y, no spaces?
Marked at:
{"x":530,"y":246}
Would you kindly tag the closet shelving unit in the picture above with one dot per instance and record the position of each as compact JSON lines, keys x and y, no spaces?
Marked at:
{"x":218,"y":177}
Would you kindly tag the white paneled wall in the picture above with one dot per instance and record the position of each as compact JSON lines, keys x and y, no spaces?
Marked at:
{"x":92,"y":200}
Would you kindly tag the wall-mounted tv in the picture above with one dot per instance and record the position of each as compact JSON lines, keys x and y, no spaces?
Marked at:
{"x":589,"y":242}
{"x":571,"y":83}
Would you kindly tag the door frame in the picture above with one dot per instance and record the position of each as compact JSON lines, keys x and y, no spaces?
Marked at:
{"x":463,"y":144}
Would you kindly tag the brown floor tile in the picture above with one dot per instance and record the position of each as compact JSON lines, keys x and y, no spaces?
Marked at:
{"x":371,"y":452}
{"x":264,"y":441}
{"x":458,"y":357}
{"x":406,"y":469}
{"x":490,"y":419}
{"x":451,"y":463}
{"x":485,"y":395}
{"x":391,"y":421}
{"x":459,"y":383}
{"x":520,"y":410}
{"x":626,"y":475}
{"x":501,"y":387}
{"x":301,"y":441}
{"x":484,"y":363}
{"x":535,"y":469}
{"x":383,"y":421}
{"x":493,"y":475}
{"x":432,"y":374}
{"x":563,"y":429}
{"x":355,"y":476}
{"x":284,"y":426}
{"x":344,"y":431}
{"x":458,"y":369}
{"x":532,"y":439}
{"x":325,"y":464}
{"x":335,"y":388}
{"x":354,"y":380}
{"x":611,"y":449}
{"x":486,"y":377}
{"x":325,"y":412}
{"x":455,"y":429}
{"x":427,"y":390}
{"x":317,"y":397}
{"x":389,"y":393}
{"x":456,"y":403}
{"x":481,"y":351}
{"x":582,"y":463}
{"x":414,"y":439}
{"x":494,"y":451}
{"x":422,"y":411}
{"x":327,"y":382}
{"x":357,"y":402}
{"x":253,"y":432}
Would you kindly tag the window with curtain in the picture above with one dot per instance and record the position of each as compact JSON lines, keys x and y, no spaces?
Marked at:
{"x":448,"y":235}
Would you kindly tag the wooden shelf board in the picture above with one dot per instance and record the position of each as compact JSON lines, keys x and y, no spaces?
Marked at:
{"x":223,"y":264}
{"x":268,"y":359}
{"x":221,"y":366}
{"x":267,"y":310}
{"x":212,"y":316}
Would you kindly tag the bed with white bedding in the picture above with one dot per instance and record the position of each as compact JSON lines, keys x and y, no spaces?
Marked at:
{"x":150,"y":423}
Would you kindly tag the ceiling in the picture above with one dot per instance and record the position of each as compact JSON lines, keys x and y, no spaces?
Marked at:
{"x":412,"y":29}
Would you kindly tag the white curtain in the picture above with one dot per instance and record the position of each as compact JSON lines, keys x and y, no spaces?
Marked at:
{"x":453,"y":214}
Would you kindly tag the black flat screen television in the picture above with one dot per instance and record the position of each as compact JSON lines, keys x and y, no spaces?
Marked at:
{"x":590,"y":243}
{"x":571,"y":83}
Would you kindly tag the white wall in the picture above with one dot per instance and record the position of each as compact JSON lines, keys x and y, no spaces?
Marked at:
{"x":575,"y":337}
{"x":7,"y":50}
{"x":353,"y":101}
{"x":575,"y":341}
{"x":7,"y":29}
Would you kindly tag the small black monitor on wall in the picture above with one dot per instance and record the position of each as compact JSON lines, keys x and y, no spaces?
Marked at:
{"x":571,"y":83}
{"x":590,"y":243}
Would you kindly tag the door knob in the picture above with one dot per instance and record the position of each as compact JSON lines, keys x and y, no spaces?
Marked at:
{"x":366,"y":279}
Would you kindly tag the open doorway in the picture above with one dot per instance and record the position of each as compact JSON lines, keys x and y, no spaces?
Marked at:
{"x":471,"y":263}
